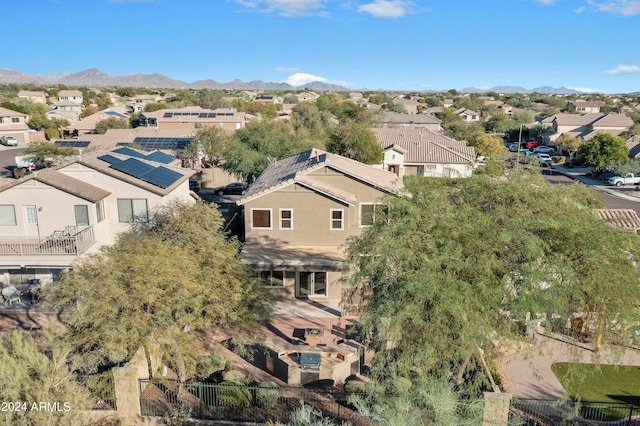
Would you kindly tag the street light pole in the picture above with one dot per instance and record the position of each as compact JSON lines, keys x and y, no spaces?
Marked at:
{"x":519,"y":144}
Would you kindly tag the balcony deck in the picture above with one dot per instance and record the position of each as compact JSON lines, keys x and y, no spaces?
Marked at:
{"x":58,"y":243}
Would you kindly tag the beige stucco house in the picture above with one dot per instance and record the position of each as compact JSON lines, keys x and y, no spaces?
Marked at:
{"x":14,"y":123}
{"x":586,"y":126}
{"x":74,"y":96}
{"x":193,"y":117}
{"x":52,"y":217}
{"x":419,"y":151}
{"x":298,"y":214}
{"x":36,"y":96}
{"x":395,"y":119}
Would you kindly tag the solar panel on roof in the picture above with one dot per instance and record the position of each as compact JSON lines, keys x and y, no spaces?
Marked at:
{"x":129,"y":152}
{"x":150,"y":144}
{"x":160,"y":157}
{"x":132,"y":167}
{"x":109,"y":159}
{"x":167,"y":115}
{"x":202,"y":115}
{"x":212,"y":115}
{"x":73,"y":144}
{"x":162,"y":177}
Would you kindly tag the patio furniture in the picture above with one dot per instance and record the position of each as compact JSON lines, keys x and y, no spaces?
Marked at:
{"x":11,"y":295}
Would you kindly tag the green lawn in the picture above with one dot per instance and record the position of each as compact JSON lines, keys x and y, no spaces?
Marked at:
{"x":612,"y":384}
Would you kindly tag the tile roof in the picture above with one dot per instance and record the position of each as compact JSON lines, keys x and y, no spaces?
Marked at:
{"x":115,"y":136}
{"x":293,"y":169}
{"x":193,"y":114}
{"x":6,"y":112}
{"x":395,"y":117}
{"x":613,"y":120}
{"x":63,"y":182}
{"x":620,"y":218}
{"x":575,"y":119}
{"x":424,"y":146}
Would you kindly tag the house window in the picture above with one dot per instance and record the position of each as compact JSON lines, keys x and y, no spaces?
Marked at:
{"x":337,"y":219}
{"x":15,"y":119}
{"x":286,"y":219}
{"x":31,"y":215}
{"x":312,"y":284}
{"x":413,"y":170}
{"x":7,"y":215}
{"x":368,"y":213}
{"x":82,"y":215}
{"x":261,"y":218}
{"x":100,"y":211}
{"x":132,"y":210}
{"x":277,"y":278}
{"x":431,"y":166}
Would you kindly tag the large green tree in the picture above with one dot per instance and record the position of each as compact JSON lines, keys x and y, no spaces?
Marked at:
{"x":356,"y":140}
{"x":251,"y":148}
{"x":34,"y":371}
{"x":444,"y":273}
{"x":111,"y":123}
{"x":208,"y":144}
{"x":159,"y":285}
{"x":604,"y":149}
{"x":569,"y":143}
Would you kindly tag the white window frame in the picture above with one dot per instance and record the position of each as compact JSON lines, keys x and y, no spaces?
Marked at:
{"x":281,"y":219}
{"x":100,"y":211}
{"x":83,"y":209}
{"x":8,"y":215}
{"x":360,"y":213}
{"x":331,"y":219}
{"x":270,"y":219}
{"x":287,"y":278}
{"x":135,"y":205}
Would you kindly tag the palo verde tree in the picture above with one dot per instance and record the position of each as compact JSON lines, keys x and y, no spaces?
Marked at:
{"x":47,"y":151}
{"x":444,"y":273}
{"x":209,"y":143}
{"x":251,"y":148}
{"x":569,"y":143}
{"x":160,"y":285}
{"x":603,"y":150}
{"x":356,"y":140}
{"x":111,"y":123}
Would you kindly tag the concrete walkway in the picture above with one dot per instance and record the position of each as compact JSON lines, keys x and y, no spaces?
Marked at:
{"x":527,"y":373}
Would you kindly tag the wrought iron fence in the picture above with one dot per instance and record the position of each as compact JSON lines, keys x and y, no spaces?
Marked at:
{"x":543,"y":413}
{"x":101,"y":388}
{"x":241,"y":403}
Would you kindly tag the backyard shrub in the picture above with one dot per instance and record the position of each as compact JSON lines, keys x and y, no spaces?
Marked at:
{"x":211,"y":365}
{"x":233,"y":394}
{"x":234,"y":376}
{"x":354,"y":386}
{"x":267,"y":394}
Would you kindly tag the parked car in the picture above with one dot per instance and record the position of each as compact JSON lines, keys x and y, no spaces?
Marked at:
{"x":9,"y":141}
{"x":628,"y":179}
{"x":236,"y":188}
{"x":544,"y":149}
{"x":532,"y":144}
{"x":543,"y":159}
{"x":513,"y":147}
{"x":194,"y":185}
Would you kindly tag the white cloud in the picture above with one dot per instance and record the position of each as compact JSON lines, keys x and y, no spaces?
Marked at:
{"x":386,"y":8}
{"x":285,"y":69}
{"x":286,"y":7}
{"x":579,"y":10}
{"x":621,"y":7}
{"x":547,"y":1}
{"x":300,"y":79}
{"x":586,"y":89}
{"x":624,"y":69}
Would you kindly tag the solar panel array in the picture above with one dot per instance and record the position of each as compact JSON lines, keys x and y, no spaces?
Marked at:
{"x":73,"y":143}
{"x":158,"y":176}
{"x":150,"y":144}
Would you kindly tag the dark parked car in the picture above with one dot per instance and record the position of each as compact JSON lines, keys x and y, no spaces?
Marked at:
{"x":236,"y":188}
{"x":194,"y":185}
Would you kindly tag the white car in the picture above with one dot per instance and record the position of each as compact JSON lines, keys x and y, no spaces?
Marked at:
{"x":544,"y":159}
{"x":544,"y":150}
{"x":513,"y":147}
{"x":9,"y":141}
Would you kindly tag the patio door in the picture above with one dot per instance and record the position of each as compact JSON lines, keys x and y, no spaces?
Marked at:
{"x":310,"y":284}
{"x":31,"y":221}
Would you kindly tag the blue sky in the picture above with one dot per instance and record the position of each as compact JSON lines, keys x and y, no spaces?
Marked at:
{"x":591,"y":45}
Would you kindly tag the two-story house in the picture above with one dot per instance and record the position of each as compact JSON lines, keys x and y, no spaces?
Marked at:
{"x":467,"y":114}
{"x":52,"y":217}
{"x":298,"y":214}
{"x":395,"y":119}
{"x":14,"y":123}
{"x":419,"y":151}
{"x":588,"y":107}
{"x":586,"y":126}
{"x":36,"y":96}
{"x":193,"y":117}
{"x":74,"y":96}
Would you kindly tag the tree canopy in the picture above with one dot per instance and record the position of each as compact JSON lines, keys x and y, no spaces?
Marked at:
{"x":603,"y":150}
{"x":159,"y":284}
{"x":445,"y":272}
{"x":47,"y":151}
{"x":357,"y":141}
{"x":251,"y":148}
{"x":210,"y":142}
{"x":111,"y":123}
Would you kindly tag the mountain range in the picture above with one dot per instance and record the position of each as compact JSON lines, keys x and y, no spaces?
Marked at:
{"x":94,"y":77}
